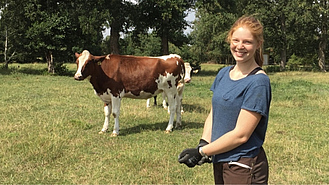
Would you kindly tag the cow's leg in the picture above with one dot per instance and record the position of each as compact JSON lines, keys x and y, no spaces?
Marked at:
{"x":172,"y":106}
{"x":164,"y":102}
{"x":107,"y":113}
{"x":148,"y":103}
{"x":116,"y":103}
{"x":179,"y":107}
{"x":155,"y":100}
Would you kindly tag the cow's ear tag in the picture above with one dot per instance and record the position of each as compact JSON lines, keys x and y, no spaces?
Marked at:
{"x":99,"y":63}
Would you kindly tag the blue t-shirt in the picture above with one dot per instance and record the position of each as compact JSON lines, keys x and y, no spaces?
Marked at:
{"x":252,"y":93}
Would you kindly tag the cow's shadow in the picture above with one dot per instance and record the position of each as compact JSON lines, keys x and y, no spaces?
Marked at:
{"x":188,"y":108}
{"x":160,"y":126}
{"x":195,"y":108}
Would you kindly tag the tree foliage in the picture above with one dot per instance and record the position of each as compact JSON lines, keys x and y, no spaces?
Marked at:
{"x":291,"y":28}
{"x":165,"y":18}
{"x":13,"y":26}
{"x":52,"y":30}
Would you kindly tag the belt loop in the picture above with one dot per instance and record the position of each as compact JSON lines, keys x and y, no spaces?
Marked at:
{"x":252,"y":169}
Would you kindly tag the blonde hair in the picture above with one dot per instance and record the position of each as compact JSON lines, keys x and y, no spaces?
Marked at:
{"x":256,"y":29}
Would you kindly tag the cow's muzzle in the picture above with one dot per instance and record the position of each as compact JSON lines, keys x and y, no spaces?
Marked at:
{"x":187,"y":80}
{"x":78,"y":77}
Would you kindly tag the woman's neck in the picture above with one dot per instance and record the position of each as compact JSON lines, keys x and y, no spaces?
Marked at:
{"x":241,"y":70}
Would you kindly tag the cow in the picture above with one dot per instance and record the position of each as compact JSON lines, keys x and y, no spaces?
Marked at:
{"x":114,"y":77}
{"x":187,"y":79}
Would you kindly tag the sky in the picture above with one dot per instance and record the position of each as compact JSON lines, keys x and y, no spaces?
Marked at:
{"x":190,"y":17}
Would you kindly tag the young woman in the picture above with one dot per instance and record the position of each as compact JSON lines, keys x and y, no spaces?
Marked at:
{"x":234,"y":131}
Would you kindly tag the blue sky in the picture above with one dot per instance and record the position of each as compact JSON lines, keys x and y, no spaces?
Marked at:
{"x":190,"y":17}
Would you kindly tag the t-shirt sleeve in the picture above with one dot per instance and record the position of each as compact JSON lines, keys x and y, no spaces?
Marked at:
{"x":213,"y":86}
{"x":219,"y":76}
{"x":257,"y":99}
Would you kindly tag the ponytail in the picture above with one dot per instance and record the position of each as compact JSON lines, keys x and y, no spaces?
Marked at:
{"x":259,"y":56}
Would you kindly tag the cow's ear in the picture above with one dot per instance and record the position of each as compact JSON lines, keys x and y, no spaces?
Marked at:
{"x":77,"y":55}
{"x":98,"y":59}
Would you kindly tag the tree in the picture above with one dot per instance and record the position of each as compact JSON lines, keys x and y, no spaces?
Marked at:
{"x":57,"y":26}
{"x":13,"y":24}
{"x":117,"y":16}
{"x":291,"y":27}
{"x":165,"y":18}
{"x":322,"y":6}
{"x":213,"y":20}
{"x":88,"y":18}
{"x":276,"y":17}
{"x":51,"y":28}
{"x":142,"y":45}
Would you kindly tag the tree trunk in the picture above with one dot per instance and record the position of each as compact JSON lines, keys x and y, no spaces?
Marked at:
{"x":164,"y":44}
{"x":6,"y":50}
{"x":114,"y":37}
{"x":283,"y":61}
{"x":164,"y":36}
{"x":323,"y":37}
{"x":5,"y":53}
{"x":322,"y":56}
{"x":50,"y":62}
{"x":284,"y":43}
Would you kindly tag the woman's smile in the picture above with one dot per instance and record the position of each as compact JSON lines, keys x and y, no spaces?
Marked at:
{"x":243,"y":45}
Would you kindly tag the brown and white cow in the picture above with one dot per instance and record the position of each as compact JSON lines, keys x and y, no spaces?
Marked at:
{"x":114,"y":77}
{"x":187,"y":79}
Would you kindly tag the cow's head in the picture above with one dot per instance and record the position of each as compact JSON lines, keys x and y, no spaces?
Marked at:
{"x":188,"y":70}
{"x":86,"y":64}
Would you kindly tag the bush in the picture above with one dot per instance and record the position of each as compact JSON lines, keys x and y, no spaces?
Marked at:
{"x":272,"y":68}
{"x":308,"y":63}
{"x":294,"y":63}
{"x":61,"y":69}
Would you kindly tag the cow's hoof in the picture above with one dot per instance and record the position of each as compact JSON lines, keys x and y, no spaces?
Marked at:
{"x":168,"y":131}
{"x":114,"y":135}
{"x":178,"y":126}
{"x":101,"y":132}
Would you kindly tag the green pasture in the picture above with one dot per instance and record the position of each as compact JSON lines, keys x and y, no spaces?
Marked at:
{"x":49,"y":131}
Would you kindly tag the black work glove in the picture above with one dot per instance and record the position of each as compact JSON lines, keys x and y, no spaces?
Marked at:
{"x":190,"y":157}
{"x":202,"y":143}
{"x":204,"y":159}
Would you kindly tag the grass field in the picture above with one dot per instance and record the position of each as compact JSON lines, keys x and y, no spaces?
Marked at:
{"x":49,"y":132}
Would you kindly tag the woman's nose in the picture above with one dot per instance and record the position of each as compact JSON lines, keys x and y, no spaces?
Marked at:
{"x":240,"y":45}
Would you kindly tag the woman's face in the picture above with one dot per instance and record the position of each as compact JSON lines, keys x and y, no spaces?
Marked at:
{"x":243,"y":45}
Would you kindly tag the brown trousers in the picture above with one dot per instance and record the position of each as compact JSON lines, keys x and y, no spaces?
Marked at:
{"x":225,"y":173}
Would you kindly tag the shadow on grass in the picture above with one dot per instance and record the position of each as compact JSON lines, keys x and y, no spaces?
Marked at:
{"x":34,"y":71}
{"x":206,"y":73}
{"x":161,"y":126}
{"x":5,"y":71}
{"x":157,"y":127}
{"x":195,"y":108}
{"x":139,"y":128}
{"x":186,"y":108}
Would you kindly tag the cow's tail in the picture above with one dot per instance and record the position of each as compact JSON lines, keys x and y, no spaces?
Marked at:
{"x":182,"y":74}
